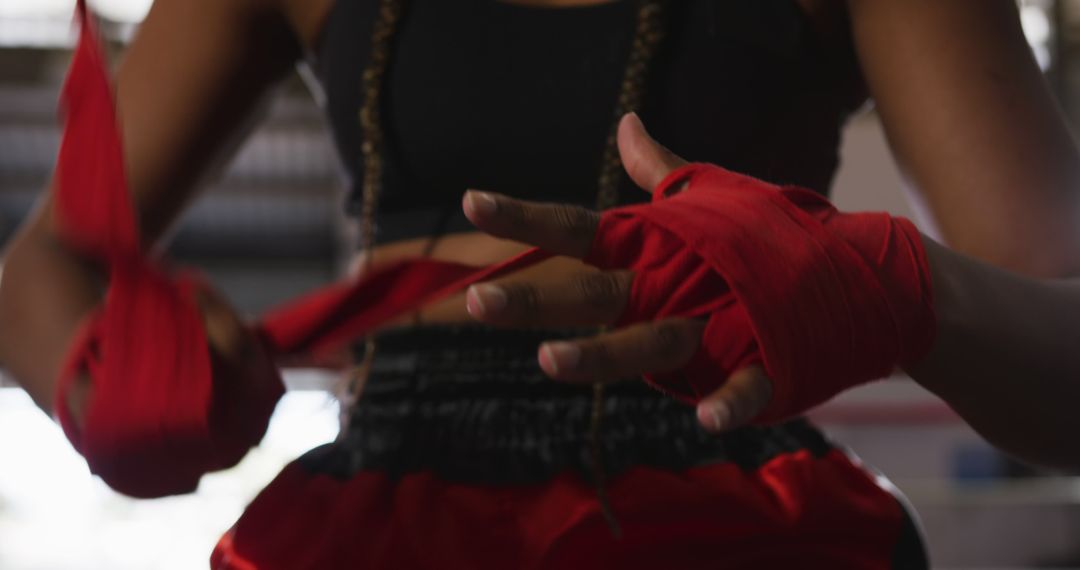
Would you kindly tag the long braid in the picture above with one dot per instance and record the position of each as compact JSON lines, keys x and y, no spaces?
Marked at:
{"x":648,"y":33}
{"x":647,"y":36}
{"x":371,"y":125}
{"x":371,"y":151}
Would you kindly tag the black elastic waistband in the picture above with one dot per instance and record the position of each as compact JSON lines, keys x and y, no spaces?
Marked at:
{"x":471,"y":404}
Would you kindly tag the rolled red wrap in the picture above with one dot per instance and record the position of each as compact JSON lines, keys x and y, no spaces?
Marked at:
{"x":158,"y":417}
{"x":825,"y":300}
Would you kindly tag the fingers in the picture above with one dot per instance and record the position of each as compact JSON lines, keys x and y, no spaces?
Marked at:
{"x":588,"y":298}
{"x":225,"y":331}
{"x":645,"y":160}
{"x":561,"y":229}
{"x":660,"y":346}
{"x":565,"y":229}
{"x":737,"y":402}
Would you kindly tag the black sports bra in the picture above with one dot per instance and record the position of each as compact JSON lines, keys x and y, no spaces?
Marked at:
{"x":519,"y":100}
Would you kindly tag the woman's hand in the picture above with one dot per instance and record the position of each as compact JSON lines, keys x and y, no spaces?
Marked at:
{"x":599,"y":297}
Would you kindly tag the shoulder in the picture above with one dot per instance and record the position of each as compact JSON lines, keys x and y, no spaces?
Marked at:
{"x":828,"y":18}
{"x":306,"y":17}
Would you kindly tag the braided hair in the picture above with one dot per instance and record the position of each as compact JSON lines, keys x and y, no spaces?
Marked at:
{"x":648,"y":33}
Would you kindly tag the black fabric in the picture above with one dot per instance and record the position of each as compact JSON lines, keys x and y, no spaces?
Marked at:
{"x":471,"y":404}
{"x":910,"y":550}
{"x":516,"y":99}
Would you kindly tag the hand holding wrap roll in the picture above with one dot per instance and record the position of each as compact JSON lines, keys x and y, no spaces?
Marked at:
{"x":825,"y":300}
{"x":158,"y":418}
{"x":164,"y":408}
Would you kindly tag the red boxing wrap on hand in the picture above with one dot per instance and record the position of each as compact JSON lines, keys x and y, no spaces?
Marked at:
{"x":163,"y":407}
{"x":824,"y":300}
{"x":158,"y":416}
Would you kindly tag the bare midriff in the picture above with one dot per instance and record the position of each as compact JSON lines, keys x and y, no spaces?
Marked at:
{"x":473,"y":249}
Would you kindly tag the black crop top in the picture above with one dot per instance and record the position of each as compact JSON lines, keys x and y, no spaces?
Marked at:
{"x":519,"y":100}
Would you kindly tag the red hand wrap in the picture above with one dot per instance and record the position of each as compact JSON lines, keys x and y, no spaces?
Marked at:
{"x":830,"y":299}
{"x":824,"y":300}
{"x":157,"y":418}
{"x":160,"y":414}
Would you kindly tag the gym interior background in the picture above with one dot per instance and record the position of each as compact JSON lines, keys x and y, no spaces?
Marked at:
{"x":270,"y":226}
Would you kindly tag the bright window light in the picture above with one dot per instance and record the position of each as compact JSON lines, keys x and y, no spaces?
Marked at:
{"x":47,"y":23}
{"x":1038,"y":28}
{"x":54,"y":515}
{"x":35,"y":8}
{"x":127,"y":11}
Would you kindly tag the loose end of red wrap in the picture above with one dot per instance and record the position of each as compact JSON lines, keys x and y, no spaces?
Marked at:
{"x":92,"y":207}
{"x":154,"y":418}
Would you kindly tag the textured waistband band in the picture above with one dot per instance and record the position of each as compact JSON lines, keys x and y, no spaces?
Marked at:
{"x":471,"y":404}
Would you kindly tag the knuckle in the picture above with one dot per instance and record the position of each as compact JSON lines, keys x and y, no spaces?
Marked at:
{"x":669,"y":340}
{"x":598,"y":358}
{"x":762,"y":393}
{"x":748,"y":400}
{"x":514,"y":212}
{"x":601,"y":291}
{"x":574,"y":220}
{"x":737,"y":410}
{"x":524,"y":300}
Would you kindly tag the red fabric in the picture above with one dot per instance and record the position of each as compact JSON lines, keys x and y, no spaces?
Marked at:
{"x":161,"y":411}
{"x":797,"y":511}
{"x":154,"y":422}
{"x":97,"y":217}
{"x":824,"y":300}
{"x":333,"y":316}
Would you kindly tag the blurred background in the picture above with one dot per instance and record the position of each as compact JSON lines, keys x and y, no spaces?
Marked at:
{"x":270,"y":227}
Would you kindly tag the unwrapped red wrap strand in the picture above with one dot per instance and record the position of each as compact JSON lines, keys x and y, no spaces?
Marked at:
{"x":329,"y":318}
{"x":159,"y":416}
{"x":825,"y":300}
{"x":156,"y":420}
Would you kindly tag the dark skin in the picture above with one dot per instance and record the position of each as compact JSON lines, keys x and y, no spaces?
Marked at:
{"x":1002,"y":358}
{"x":183,"y":105}
{"x":965,"y":108}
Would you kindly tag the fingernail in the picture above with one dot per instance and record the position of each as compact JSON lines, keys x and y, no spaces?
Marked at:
{"x":556,"y":357}
{"x":714,"y":416}
{"x":484,"y":300}
{"x":480,"y":203}
{"x":637,"y":119}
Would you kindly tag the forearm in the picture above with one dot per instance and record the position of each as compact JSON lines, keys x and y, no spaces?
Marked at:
{"x":1006,"y":356}
{"x":189,"y":84}
{"x":975,"y":128}
{"x":46,"y":291}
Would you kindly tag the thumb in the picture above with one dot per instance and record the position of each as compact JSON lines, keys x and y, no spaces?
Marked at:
{"x":225,"y":331}
{"x":645,"y":160}
{"x":737,"y":402}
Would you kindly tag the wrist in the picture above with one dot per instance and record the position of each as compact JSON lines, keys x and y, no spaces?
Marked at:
{"x":947,"y":289}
